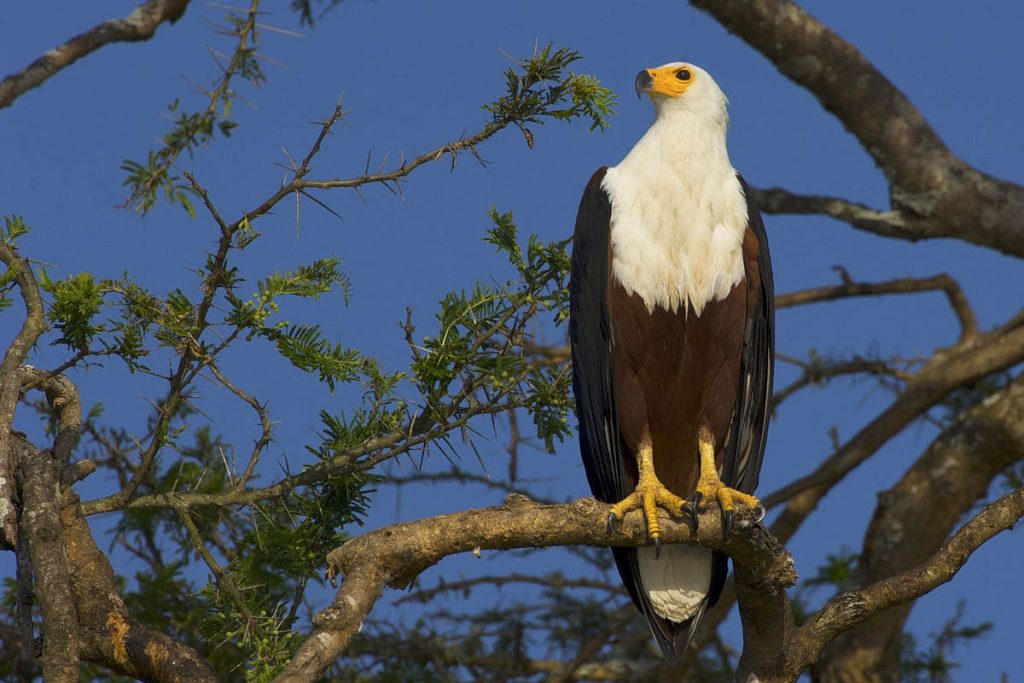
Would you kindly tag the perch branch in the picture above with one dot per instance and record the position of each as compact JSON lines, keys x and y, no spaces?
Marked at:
{"x":395,"y":555}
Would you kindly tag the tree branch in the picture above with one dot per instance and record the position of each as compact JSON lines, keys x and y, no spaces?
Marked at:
{"x":849,"y":288}
{"x":395,"y":555}
{"x":140,"y":25}
{"x":10,"y":383}
{"x":776,"y":200}
{"x":39,"y":484}
{"x":849,"y":609}
{"x":933,"y":193}
{"x":946,"y":371}
{"x":109,"y":635}
{"x":957,"y":468}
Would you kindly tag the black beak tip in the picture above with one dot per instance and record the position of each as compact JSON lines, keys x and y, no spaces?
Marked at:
{"x":643,"y":82}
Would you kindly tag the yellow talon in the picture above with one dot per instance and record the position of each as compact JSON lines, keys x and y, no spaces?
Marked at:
{"x":710,"y":485}
{"x":649,"y":494}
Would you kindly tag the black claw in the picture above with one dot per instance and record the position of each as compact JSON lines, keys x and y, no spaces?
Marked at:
{"x":657,"y":547}
{"x":728,"y":522}
{"x":698,"y":498}
{"x":761,"y":512}
{"x":611,"y":523}
{"x":691,"y":512}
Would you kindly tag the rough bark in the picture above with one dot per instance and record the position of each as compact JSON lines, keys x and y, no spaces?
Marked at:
{"x":109,"y":635}
{"x":39,"y":484}
{"x":932,"y":192}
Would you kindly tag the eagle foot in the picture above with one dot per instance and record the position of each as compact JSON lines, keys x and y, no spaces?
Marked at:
{"x":712,"y":488}
{"x":650,"y":494}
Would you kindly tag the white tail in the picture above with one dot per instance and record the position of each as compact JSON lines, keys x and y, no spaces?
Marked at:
{"x":677,"y":582}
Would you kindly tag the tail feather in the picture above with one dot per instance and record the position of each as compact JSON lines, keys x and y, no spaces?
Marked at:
{"x":699,"y":586}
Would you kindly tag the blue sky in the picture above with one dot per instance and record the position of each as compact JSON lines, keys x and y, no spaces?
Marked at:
{"x":413,"y":75}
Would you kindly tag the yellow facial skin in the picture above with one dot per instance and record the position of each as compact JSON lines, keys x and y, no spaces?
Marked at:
{"x":668,"y":81}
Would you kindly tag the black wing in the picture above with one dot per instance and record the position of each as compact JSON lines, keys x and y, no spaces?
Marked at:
{"x":590,"y":334}
{"x":742,"y":466}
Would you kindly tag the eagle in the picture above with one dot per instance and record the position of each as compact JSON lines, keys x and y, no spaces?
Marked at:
{"x":672,"y":336}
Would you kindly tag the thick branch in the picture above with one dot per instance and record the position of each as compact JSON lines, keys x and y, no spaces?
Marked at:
{"x":395,"y":555}
{"x":39,"y":483}
{"x":109,"y":635}
{"x":849,"y":609}
{"x":933,"y":193}
{"x":140,"y":25}
{"x":884,"y":223}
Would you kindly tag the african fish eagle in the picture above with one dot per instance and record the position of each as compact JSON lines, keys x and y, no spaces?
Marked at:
{"x":671,"y":325}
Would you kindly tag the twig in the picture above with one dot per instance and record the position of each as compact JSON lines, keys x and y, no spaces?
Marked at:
{"x":957,"y":301}
{"x":550,"y":581}
{"x":266,"y":427}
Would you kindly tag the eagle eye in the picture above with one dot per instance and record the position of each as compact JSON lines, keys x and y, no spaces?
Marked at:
{"x":683,"y":74}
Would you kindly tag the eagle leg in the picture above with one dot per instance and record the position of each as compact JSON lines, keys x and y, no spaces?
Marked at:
{"x":710,"y":486}
{"x":649,"y":494}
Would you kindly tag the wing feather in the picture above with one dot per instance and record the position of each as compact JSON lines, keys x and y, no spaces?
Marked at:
{"x":591,"y":337}
{"x":745,"y":452}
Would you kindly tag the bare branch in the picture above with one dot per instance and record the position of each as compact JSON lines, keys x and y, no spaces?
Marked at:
{"x":549,"y":581}
{"x":885,"y":223}
{"x":849,"y":609}
{"x":933,"y":193}
{"x":849,"y":288}
{"x":813,"y":375}
{"x":957,"y":468}
{"x":946,"y":371}
{"x":140,"y":25}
